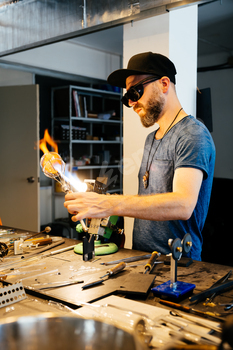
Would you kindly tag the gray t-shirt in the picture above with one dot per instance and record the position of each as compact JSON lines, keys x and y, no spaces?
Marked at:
{"x":187,"y":144}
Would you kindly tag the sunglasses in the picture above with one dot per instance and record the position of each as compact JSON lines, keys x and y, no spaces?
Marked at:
{"x":136,"y":91}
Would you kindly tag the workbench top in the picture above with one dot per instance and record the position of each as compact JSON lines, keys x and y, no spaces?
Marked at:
{"x":69,"y":266}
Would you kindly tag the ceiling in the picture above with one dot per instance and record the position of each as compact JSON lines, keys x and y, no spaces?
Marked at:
{"x":110,"y":40}
{"x":215,"y":31}
{"x":215,"y":27}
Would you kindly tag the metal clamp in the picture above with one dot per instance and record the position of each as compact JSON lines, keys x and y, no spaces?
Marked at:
{"x":177,"y":248}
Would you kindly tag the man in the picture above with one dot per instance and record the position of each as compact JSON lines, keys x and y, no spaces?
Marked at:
{"x":176,"y":172}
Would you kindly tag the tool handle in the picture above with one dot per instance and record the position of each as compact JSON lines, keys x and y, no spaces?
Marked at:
{"x":44,"y":241}
{"x":3,"y":277}
{"x":175,"y":306}
{"x":151,"y":261}
{"x":195,"y":347}
{"x":119,"y":267}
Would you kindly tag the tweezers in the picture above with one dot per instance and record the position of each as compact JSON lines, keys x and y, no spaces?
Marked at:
{"x":220,"y":286}
{"x":221,"y":280}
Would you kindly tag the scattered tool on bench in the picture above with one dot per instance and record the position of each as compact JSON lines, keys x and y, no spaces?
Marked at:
{"x":219,"y":288}
{"x":128,"y":260}
{"x":228,"y":306}
{"x":220,"y":281}
{"x":149,"y":266}
{"x":198,"y":321}
{"x":215,"y":316}
{"x":46,"y":230}
{"x":57,"y":284}
{"x":3,"y":277}
{"x":114,"y":270}
{"x":5,"y":247}
{"x":174,"y":289}
{"x":37,"y":254}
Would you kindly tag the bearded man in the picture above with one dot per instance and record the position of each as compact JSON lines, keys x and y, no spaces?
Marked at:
{"x":176,"y":173}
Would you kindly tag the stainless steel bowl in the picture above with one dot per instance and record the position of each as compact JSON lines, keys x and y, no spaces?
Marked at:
{"x":50,"y":332}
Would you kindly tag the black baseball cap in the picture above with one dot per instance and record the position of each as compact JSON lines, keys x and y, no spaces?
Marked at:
{"x":144,"y":63}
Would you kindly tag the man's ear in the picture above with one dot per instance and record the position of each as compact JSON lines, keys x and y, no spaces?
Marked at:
{"x":165,"y":81}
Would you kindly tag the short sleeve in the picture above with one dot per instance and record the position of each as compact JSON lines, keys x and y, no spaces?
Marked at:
{"x":195,"y":148}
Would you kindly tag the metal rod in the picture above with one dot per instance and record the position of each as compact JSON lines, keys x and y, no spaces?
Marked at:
{"x":55,"y":244}
{"x":39,"y":274}
{"x":173,"y":284}
{"x":33,"y":255}
{"x":130,"y":259}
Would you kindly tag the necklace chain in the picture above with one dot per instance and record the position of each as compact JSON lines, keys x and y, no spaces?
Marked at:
{"x":146,"y":176}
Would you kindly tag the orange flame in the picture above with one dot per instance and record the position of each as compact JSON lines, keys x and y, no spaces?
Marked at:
{"x":47,"y":154}
{"x":0,"y":222}
{"x":47,"y":139}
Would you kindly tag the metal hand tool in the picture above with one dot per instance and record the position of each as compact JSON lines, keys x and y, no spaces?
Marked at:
{"x":54,"y":252}
{"x":4,"y":248}
{"x":205,"y":294}
{"x":129,"y":259}
{"x":200,"y":322}
{"x":41,"y":250}
{"x":188,"y":309}
{"x":16,"y":273}
{"x":142,"y":264}
{"x":228,"y":306}
{"x":191,"y":339}
{"x":33,"y":255}
{"x":46,"y":230}
{"x":57,"y":284}
{"x":150,"y":264}
{"x":114,"y":270}
{"x":39,"y":274}
{"x":32,"y":245}
{"x":220,"y":281}
{"x":190,"y":328}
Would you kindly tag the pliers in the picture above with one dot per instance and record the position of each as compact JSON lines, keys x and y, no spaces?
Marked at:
{"x":228,"y":306}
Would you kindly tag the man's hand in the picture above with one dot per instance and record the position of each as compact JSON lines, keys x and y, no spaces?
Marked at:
{"x":176,"y":205}
{"x":87,"y":205}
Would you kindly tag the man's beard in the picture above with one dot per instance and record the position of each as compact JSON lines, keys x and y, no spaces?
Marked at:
{"x":153,"y":110}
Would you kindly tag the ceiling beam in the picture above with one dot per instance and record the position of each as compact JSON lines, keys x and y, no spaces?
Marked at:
{"x":27,"y":24}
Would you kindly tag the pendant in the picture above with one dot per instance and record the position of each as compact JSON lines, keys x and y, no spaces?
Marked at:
{"x":145,"y":179}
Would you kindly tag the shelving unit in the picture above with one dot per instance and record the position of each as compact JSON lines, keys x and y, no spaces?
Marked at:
{"x":91,"y":146}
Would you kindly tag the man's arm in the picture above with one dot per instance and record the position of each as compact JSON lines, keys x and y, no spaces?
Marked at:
{"x":176,"y":205}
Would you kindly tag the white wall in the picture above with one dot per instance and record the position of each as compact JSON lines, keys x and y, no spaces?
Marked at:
{"x":147,"y":35}
{"x":183,"y":52}
{"x":69,"y":58}
{"x":163,"y":34}
{"x":220,"y":83}
{"x":10,"y":77}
